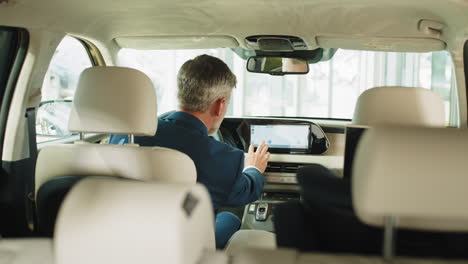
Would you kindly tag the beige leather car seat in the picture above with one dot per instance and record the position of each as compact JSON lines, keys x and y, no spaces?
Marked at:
{"x":109,"y":100}
{"x":121,"y":222}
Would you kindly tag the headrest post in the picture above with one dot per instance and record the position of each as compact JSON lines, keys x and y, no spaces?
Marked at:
{"x":81,"y":136}
{"x":131,"y":139}
{"x":389,"y":238}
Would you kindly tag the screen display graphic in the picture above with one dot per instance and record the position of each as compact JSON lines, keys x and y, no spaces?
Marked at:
{"x":281,"y":136}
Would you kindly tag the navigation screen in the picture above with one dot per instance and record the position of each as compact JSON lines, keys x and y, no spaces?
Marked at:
{"x":281,"y":136}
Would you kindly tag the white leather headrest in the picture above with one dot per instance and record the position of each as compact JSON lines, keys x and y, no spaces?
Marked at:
{"x":114,"y":100}
{"x":121,"y":222}
{"x":418,"y":175}
{"x":399,"y":106}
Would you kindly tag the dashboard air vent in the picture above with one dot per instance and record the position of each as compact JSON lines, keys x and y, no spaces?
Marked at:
{"x":283,"y":167}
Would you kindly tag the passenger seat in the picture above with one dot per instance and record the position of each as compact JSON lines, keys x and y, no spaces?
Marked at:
{"x":108,"y":100}
{"x":326,"y":197}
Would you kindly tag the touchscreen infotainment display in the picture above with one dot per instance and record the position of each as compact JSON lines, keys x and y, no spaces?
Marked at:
{"x":281,"y":136}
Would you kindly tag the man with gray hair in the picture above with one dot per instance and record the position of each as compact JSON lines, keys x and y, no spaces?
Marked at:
{"x":205,"y":85}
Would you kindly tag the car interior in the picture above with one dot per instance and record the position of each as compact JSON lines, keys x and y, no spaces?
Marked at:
{"x":363,"y":105}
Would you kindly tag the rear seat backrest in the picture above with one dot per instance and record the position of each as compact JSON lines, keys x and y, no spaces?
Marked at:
{"x":110,"y":100}
{"x":121,"y":222}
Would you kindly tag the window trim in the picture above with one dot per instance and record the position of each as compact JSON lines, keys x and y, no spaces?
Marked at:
{"x":94,"y":53}
{"x":19,"y":50}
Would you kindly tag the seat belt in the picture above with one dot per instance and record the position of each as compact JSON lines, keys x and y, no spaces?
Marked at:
{"x":30,"y":181}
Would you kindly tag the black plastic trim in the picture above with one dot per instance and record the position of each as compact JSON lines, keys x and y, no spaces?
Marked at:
{"x":335,"y":130}
{"x":12,"y":174}
{"x":20,"y":50}
{"x":12,"y":200}
{"x":304,"y":117}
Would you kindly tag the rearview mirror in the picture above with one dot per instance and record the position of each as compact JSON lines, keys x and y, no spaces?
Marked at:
{"x":277,"y":65}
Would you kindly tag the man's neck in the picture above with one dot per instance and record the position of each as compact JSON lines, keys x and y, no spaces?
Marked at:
{"x":202,"y":116}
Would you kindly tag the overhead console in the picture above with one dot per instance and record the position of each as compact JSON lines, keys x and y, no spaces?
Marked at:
{"x":275,"y":43}
{"x":282,"y":136}
{"x":281,"y":55}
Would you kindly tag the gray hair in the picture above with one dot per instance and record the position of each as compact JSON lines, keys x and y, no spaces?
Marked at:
{"x":203,"y":80}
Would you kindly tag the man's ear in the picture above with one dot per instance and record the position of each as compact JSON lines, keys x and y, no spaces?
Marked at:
{"x":218,"y":106}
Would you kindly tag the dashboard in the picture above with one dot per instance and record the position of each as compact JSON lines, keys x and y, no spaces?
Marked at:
{"x":282,"y":136}
{"x":292,"y":142}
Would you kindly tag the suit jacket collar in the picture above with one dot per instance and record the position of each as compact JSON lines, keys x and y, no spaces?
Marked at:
{"x":189,"y":121}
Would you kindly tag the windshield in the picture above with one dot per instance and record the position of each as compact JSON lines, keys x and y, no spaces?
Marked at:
{"x":329,"y":90}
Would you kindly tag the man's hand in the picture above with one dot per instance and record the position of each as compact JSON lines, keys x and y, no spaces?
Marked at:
{"x":258,"y":159}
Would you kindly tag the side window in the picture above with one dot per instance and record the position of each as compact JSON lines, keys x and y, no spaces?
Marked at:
{"x":69,"y":60}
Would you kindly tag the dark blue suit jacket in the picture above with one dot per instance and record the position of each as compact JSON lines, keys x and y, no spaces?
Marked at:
{"x":219,"y":166}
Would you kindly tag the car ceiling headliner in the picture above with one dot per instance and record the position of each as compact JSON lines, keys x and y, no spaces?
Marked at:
{"x":105,"y":20}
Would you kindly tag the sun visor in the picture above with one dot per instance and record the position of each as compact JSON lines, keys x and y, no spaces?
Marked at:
{"x":382,"y":43}
{"x":177,"y":42}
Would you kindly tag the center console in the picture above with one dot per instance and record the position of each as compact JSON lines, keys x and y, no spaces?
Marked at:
{"x":259,"y":214}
